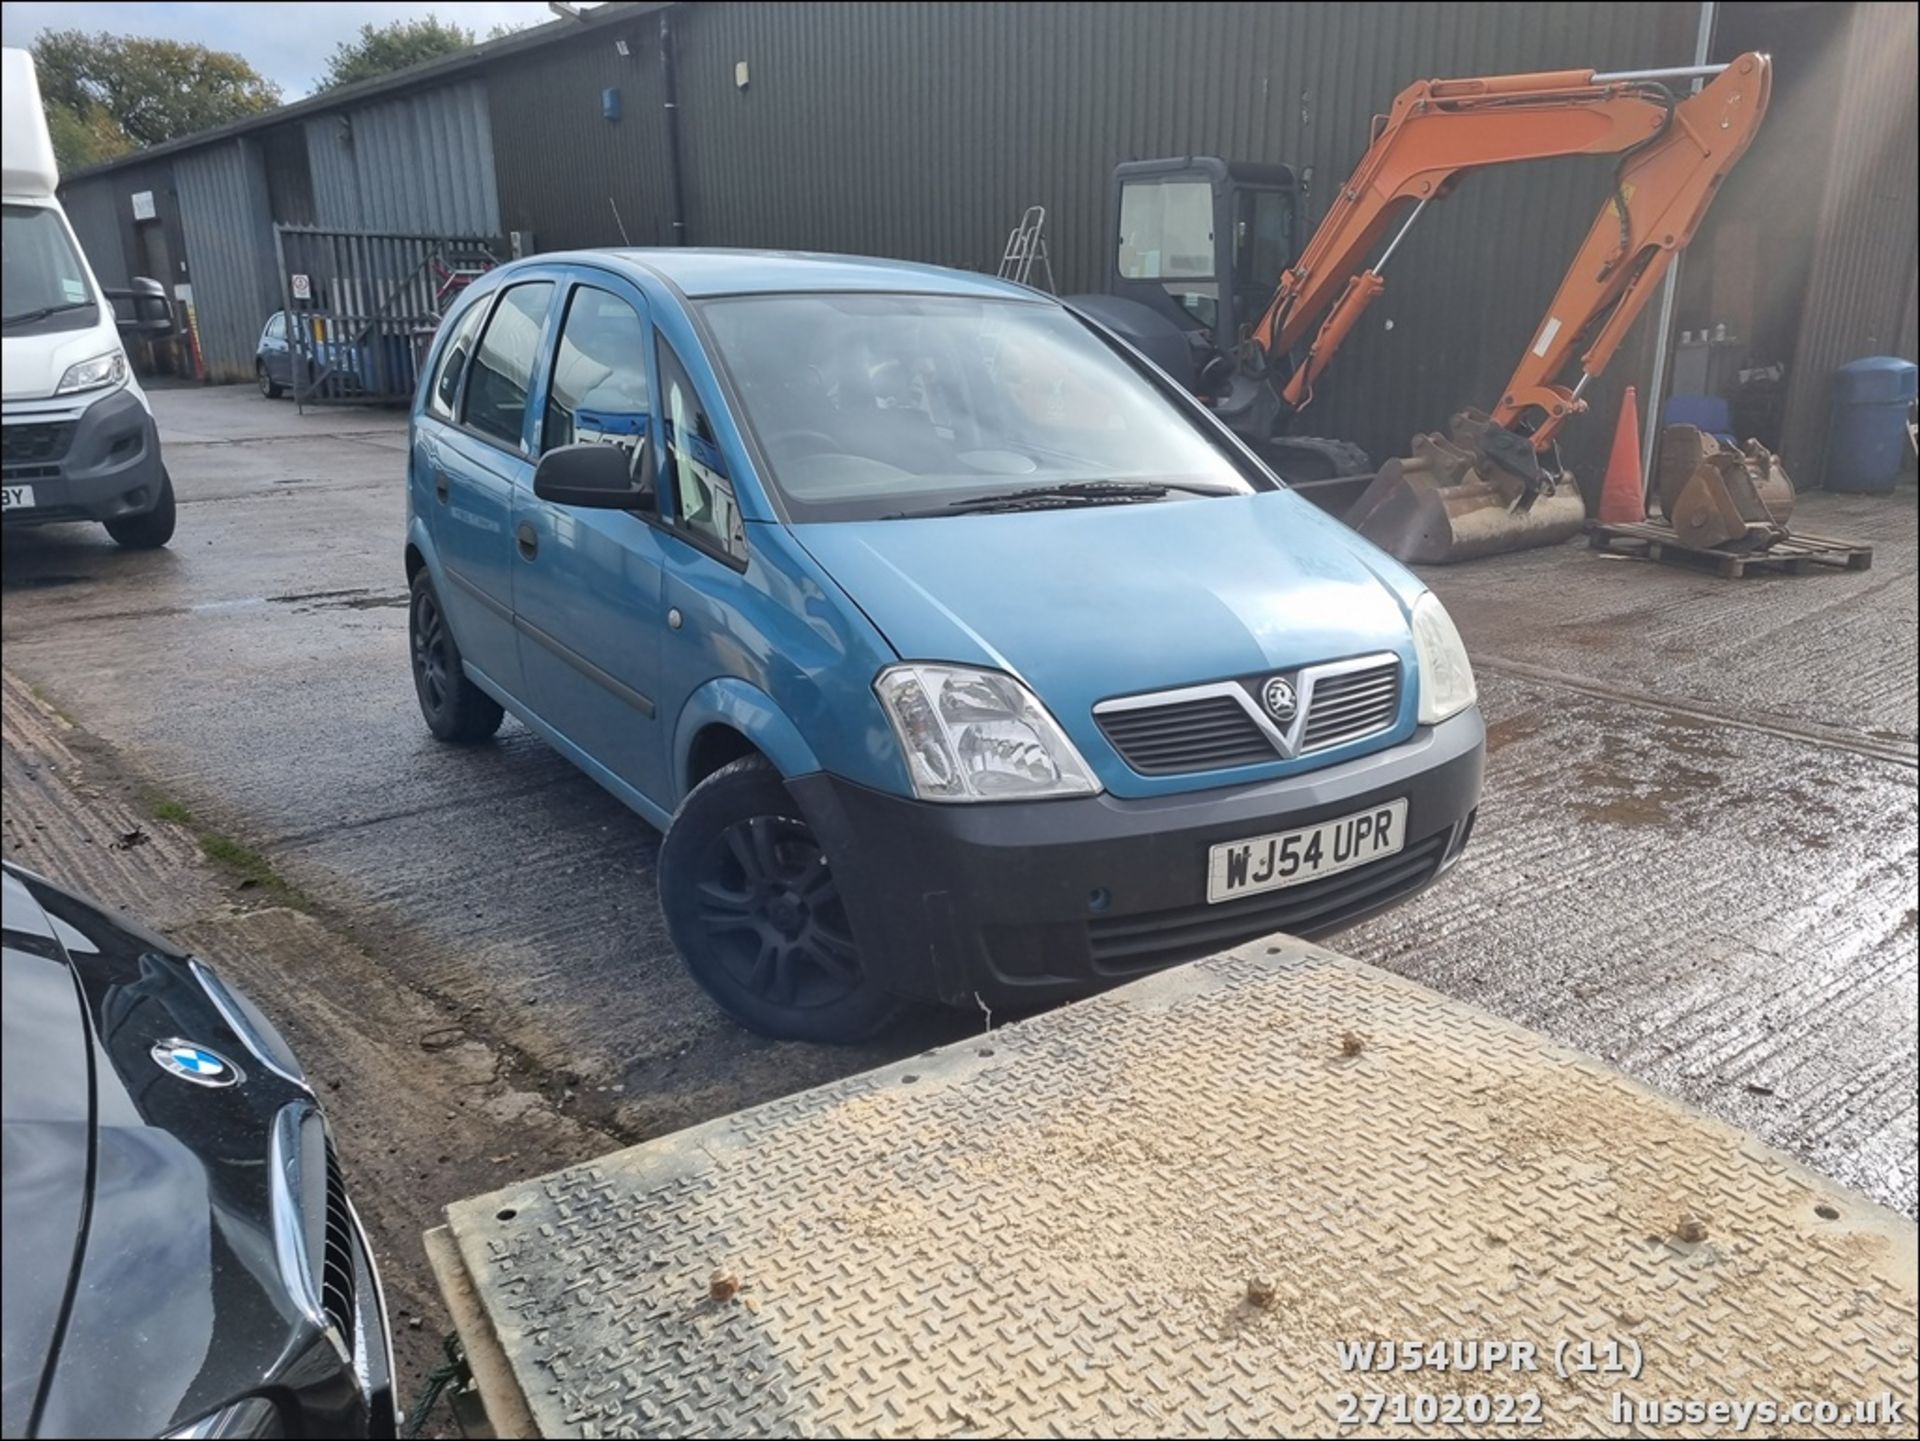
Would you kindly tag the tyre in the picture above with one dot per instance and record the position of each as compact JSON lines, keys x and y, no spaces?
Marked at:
{"x":269,"y":387}
{"x":752,"y":906}
{"x":455,"y":709}
{"x":151,"y":530}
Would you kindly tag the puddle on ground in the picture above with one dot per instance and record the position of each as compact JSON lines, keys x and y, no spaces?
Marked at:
{"x":1502,"y":734}
{"x":1613,"y":799}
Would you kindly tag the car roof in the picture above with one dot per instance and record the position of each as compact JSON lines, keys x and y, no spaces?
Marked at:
{"x":701,"y":273}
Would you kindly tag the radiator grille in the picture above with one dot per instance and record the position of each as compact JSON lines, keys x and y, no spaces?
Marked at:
{"x":1350,"y":705}
{"x":337,"y":1289}
{"x":1205,"y":734}
{"x":35,"y":443}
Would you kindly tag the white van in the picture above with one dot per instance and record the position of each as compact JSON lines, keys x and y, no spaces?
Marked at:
{"x":80,"y":442}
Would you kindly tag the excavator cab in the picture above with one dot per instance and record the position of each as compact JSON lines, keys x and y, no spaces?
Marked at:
{"x":1195,"y":247}
{"x":1202,"y":240}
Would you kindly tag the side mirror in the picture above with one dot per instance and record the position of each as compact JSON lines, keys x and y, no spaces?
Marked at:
{"x":142,"y":308}
{"x":596,"y":476}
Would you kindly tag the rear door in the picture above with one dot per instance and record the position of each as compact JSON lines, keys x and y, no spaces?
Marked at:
{"x":587,"y":583}
{"x":479,"y":462}
{"x":274,"y":350}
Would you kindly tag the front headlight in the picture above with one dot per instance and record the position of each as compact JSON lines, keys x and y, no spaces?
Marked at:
{"x":108,"y":369}
{"x":1446,"y":678}
{"x":978,"y":735}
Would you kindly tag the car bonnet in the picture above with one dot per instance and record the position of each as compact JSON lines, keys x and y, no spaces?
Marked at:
{"x":1089,"y":603}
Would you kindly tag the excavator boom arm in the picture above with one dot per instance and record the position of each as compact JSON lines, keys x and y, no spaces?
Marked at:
{"x":1675,"y":156}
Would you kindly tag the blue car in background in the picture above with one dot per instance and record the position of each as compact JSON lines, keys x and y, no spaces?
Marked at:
{"x":961,"y":655}
{"x":345,"y":366}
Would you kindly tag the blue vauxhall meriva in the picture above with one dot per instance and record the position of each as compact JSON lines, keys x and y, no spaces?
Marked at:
{"x":959,"y":653}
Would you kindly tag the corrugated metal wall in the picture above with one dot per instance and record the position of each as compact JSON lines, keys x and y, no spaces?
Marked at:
{"x":229,"y":234}
{"x":564,"y":168}
{"x":922,"y":131}
{"x":418,"y":164}
{"x":1861,"y":297}
{"x":95,"y":217}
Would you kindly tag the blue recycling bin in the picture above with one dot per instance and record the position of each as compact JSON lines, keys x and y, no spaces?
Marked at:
{"x":1867,"y":428}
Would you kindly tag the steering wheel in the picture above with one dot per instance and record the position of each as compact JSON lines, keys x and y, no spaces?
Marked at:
{"x":817,"y":441}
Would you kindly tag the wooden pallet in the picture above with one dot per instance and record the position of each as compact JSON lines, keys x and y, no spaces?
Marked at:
{"x":1793,"y":556}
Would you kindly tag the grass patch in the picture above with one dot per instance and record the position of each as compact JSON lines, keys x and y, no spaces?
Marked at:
{"x":245,"y":866}
{"x":49,"y":702}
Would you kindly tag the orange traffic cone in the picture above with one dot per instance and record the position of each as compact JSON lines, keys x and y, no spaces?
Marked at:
{"x":1622,"y":495}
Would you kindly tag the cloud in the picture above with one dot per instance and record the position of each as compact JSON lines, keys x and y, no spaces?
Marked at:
{"x":287,"y":43}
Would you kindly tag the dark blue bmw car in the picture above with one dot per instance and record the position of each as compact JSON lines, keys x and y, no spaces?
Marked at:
{"x":181,"y":1258}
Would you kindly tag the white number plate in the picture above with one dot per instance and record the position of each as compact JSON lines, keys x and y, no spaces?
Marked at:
{"x":1288,"y":858}
{"x":16,"y":497}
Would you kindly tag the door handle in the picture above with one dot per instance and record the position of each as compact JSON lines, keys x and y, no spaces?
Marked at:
{"x":528,"y":540}
{"x":440,"y":484}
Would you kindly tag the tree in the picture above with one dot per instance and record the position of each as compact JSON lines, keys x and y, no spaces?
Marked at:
{"x":383,"y":49}
{"x":84,"y":137}
{"x":145,"y":91}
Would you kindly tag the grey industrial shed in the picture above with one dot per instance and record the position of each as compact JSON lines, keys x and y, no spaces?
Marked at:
{"x":923,"y":129}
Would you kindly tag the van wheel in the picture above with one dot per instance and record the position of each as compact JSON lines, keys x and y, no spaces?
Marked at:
{"x":151,"y":530}
{"x":752,"y":907}
{"x":455,"y":708}
{"x":269,"y":387}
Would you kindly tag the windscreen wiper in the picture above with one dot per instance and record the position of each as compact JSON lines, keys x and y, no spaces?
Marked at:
{"x":27,"y":317}
{"x":1067,"y":494}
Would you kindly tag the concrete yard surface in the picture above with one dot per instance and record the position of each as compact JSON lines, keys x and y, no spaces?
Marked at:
{"x":1181,"y":1209}
{"x":1696,"y":857}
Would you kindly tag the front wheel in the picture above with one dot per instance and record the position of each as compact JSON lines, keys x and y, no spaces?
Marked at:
{"x":753,"y":908}
{"x":151,"y":530}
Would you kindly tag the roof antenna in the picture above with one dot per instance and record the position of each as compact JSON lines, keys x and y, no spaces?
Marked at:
{"x":618,"y":221}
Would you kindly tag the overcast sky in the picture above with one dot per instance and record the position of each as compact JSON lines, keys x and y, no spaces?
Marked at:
{"x":287,"y":42}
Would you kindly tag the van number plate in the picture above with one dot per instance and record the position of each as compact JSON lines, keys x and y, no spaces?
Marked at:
{"x":1290,"y":858}
{"x":16,"y":497}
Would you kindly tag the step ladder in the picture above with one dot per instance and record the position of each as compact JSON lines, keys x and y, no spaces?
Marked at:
{"x":1026,"y":252}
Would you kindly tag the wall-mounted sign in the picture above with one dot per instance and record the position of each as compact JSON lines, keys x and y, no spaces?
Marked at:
{"x":302,"y":287}
{"x":143,"y":205}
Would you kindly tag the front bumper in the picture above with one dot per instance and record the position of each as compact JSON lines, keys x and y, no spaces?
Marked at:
{"x":101,"y":464}
{"x":1034,"y":902}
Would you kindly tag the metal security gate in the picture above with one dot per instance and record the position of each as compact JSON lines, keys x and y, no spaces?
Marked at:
{"x":362,"y":306}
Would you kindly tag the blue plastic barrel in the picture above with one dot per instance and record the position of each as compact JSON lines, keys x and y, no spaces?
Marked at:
{"x":1867,"y":429}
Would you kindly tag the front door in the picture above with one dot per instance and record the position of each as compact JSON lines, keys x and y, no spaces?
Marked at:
{"x":479,"y":464}
{"x":587,"y":583}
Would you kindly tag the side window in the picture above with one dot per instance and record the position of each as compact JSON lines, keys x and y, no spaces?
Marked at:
{"x":453,"y":363}
{"x":277,"y":327}
{"x":599,"y":387}
{"x":702,"y":494}
{"x":496,"y":403}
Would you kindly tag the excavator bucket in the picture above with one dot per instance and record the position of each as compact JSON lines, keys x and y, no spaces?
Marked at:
{"x":1475,"y":491}
{"x":1719,"y":498}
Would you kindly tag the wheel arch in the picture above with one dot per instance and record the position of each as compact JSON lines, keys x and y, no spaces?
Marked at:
{"x":728,"y":718}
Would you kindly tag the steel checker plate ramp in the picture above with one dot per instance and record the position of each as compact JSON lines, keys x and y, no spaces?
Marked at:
{"x":1159,"y":1210}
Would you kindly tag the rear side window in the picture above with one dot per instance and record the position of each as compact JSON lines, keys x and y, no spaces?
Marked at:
{"x":277,"y":327}
{"x":496,"y":403}
{"x":702,"y":494}
{"x":599,"y":386}
{"x":453,"y":363}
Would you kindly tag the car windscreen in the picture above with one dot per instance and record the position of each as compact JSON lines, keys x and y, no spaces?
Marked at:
{"x":45,"y":284}
{"x":868,"y":406}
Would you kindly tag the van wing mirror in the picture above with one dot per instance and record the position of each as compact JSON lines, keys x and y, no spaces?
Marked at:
{"x":142,"y":308}
{"x":596,"y":475}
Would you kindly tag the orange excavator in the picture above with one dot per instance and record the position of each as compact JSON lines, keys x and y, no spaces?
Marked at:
{"x":1195,"y":235}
